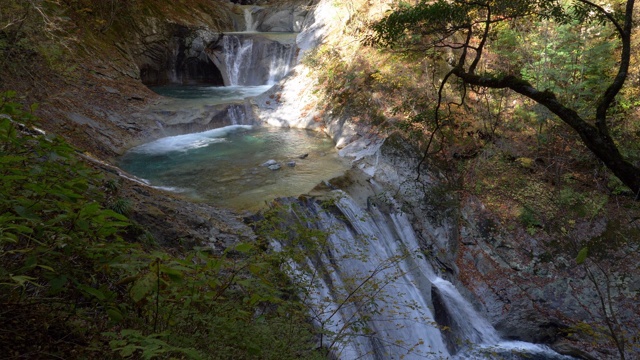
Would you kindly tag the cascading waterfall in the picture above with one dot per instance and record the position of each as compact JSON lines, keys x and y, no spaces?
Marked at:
{"x":280,"y":62}
{"x":237,"y":57}
{"x":254,"y":60}
{"x":373,"y":287}
{"x":250,"y":25}
{"x":238,"y":114}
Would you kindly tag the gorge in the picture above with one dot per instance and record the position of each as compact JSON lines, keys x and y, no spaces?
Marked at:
{"x":389,"y":256}
{"x":368,"y":246}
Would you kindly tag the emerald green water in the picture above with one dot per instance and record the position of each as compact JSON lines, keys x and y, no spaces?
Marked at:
{"x":223,"y":166}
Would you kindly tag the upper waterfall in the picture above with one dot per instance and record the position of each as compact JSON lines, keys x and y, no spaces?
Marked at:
{"x":250,"y":25}
{"x":253,"y":59}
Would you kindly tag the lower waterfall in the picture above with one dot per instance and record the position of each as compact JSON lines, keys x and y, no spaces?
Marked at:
{"x":372,"y":291}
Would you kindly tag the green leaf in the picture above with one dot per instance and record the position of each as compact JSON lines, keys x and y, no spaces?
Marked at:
{"x":46,"y":267}
{"x":173,"y":273}
{"x":115,"y":315}
{"x":244,"y":248}
{"x":143,"y":287}
{"x":11,"y":159}
{"x":92,"y":291}
{"x":582,"y":255}
{"x":23,"y":279}
{"x":57,"y":283}
{"x":129,"y":350}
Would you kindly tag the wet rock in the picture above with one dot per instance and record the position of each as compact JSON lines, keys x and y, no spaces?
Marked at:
{"x":111,"y":90}
{"x":175,"y":222}
{"x":567,"y":349}
{"x":303,"y":156}
{"x":274,"y":167}
{"x":291,"y":164}
{"x":269,"y":163}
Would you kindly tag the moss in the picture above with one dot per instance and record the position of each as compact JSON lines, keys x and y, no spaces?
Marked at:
{"x":527,"y":163}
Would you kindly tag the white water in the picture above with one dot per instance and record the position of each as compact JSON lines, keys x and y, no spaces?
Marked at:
{"x":250,"y":25}
{"x":187,"y":141}
{"x":373,"y":296}
{"x":237,"y":114}
{"x":280,"y":63}
{"x":256,"y":58}
{"x":237,"y":57}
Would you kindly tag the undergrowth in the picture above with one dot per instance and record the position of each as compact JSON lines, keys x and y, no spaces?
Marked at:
{"x":75,"y":282}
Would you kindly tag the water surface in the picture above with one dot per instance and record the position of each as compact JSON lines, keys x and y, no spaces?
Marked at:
{"x":224,"y":166}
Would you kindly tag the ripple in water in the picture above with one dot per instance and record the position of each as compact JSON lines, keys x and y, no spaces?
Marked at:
{"x":223,"y":166}
{"x":213,"y":94}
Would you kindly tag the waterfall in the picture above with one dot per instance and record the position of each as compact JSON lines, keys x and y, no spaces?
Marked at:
{"x":251,"y":61}
{"x":250,"y":26}
{"x":237,"y":57}
{"x":281,"y":59}
{"x":238,"y":114}
{"x":372,"y":292}
{"x":161,"y":127}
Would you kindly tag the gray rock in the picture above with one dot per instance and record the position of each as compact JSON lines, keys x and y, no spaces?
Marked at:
{"x":291,"y":164}
{"x":274,"y":167}
{"x":270,"y":162}
{"x":111,"y":90}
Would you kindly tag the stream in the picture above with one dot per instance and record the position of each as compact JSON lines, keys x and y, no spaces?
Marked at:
{"x":225,"y":166}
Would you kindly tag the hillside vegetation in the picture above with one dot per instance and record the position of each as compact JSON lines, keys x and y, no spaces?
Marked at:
{"x":78,"y":277}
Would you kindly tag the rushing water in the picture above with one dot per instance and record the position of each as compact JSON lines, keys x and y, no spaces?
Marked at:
{"x":250,"y":59}
{"x":224,"y":166}
{"x":212,"y":94}
{"x":374,"y":297}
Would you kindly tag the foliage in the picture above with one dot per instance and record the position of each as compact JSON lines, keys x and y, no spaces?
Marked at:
{"x":573,"y":64}
{"x":71,"y":282}
{"x":56,"y":240}
{"x":561,"y":76}
{"x":32,"y":28}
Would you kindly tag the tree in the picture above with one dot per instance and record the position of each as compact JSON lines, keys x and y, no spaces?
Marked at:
{"x":466,"y":27}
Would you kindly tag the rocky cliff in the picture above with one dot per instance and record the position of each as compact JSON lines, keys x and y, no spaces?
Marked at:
{"x":530,"y":288}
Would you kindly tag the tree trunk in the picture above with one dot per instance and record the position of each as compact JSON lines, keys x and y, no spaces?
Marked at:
{"x":601,"y":144}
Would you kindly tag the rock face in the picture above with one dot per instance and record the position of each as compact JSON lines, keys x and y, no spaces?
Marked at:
{"x":175,"y":222}
{"x":180,"y":59}
{"x":199,"y":53}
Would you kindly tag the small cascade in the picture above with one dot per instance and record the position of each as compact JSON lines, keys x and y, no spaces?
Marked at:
{"x":237,"y":57}
{"x":281,"y":60}
{"x":161,"y":127}
{"x":373,"y":289}
{"x":253,"y":60}
{"x":250,"y":25}
{"x":239,"y":114}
